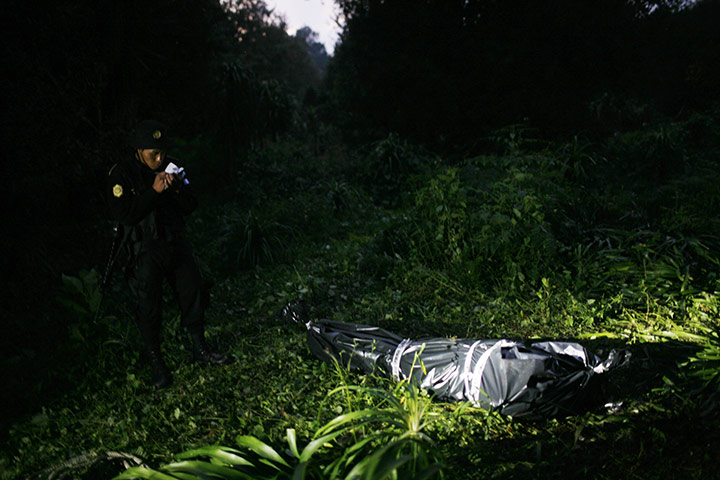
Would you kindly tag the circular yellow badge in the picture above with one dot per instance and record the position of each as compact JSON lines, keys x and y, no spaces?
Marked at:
{"x":117,"y":191}
{"x":157,"y":134}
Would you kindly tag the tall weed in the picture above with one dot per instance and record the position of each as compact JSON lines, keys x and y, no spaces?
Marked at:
{"x":389,"y":164}
{"x":250,"y":240}
{"x":442,"y":229}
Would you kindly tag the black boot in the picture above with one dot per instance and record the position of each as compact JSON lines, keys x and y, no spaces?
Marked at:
{"x":161,"y":377}
{"x":203,"y":355}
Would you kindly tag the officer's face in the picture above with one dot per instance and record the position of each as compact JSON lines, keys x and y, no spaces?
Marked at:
{"x":153,"y":158}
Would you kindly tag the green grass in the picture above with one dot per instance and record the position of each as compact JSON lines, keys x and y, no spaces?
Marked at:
{"x":557,"y":242}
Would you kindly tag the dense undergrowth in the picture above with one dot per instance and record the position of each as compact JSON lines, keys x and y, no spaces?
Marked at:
{"x":614,"y":243}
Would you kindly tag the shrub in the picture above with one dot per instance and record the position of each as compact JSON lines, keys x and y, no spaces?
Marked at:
{"x":652,"y":154}
{"x":441,"y":230}
{"x":249,"y":241}
{"x":496,"y":236}
{"x":388,"y":166}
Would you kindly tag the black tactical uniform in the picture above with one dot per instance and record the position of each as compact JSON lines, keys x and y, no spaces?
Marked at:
{"x":158,"y":248}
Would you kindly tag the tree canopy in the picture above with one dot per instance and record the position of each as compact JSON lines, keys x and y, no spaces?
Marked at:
{"x":435,"y":70}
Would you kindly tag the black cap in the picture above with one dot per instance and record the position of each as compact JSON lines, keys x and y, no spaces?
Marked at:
{"x":151,"y":134}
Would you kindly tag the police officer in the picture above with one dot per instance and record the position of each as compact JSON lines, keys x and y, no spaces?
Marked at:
{"x":151,"y":204}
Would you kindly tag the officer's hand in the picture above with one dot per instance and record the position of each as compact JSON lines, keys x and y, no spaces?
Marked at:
{"x":160,"y":183}
{"x":173,"y":181}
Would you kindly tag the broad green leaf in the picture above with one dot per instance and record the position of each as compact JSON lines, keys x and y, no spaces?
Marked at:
{"x":428,"y":472}
{"x":360,"y":444}
{"x":347,"y":458}
{"x":261,"y":448}
{"x":343,"y":420}
{"x":206,"y":469}
{"x":313,"y":446}
{"x":143,"y":472}
{"x":73,"y":283}
{"x":186,"y":476}
{"x":270,"y":464}
{"x":227,"y":455}
{"x":371,"y":467}
{"x":292,"y":442}
{"x":386,"y":464}
{"x":299,"y":473}
{"x":384,"y":461}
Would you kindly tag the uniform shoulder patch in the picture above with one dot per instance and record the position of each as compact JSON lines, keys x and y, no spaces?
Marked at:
{"x":118,"y":190}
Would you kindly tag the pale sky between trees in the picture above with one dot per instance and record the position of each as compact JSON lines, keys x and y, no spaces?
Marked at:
{"x":319,"y":15}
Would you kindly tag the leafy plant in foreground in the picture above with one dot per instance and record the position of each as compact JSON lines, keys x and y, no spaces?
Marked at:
{"x":385,"y":440}
{"x":81,"y":293}
{"x":403,"y":414}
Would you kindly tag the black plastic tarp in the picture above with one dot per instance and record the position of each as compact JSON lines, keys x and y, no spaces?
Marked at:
{"x":541,"y":379}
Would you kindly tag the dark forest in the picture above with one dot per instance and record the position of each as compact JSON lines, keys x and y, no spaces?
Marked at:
{"x":459,"y":169}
